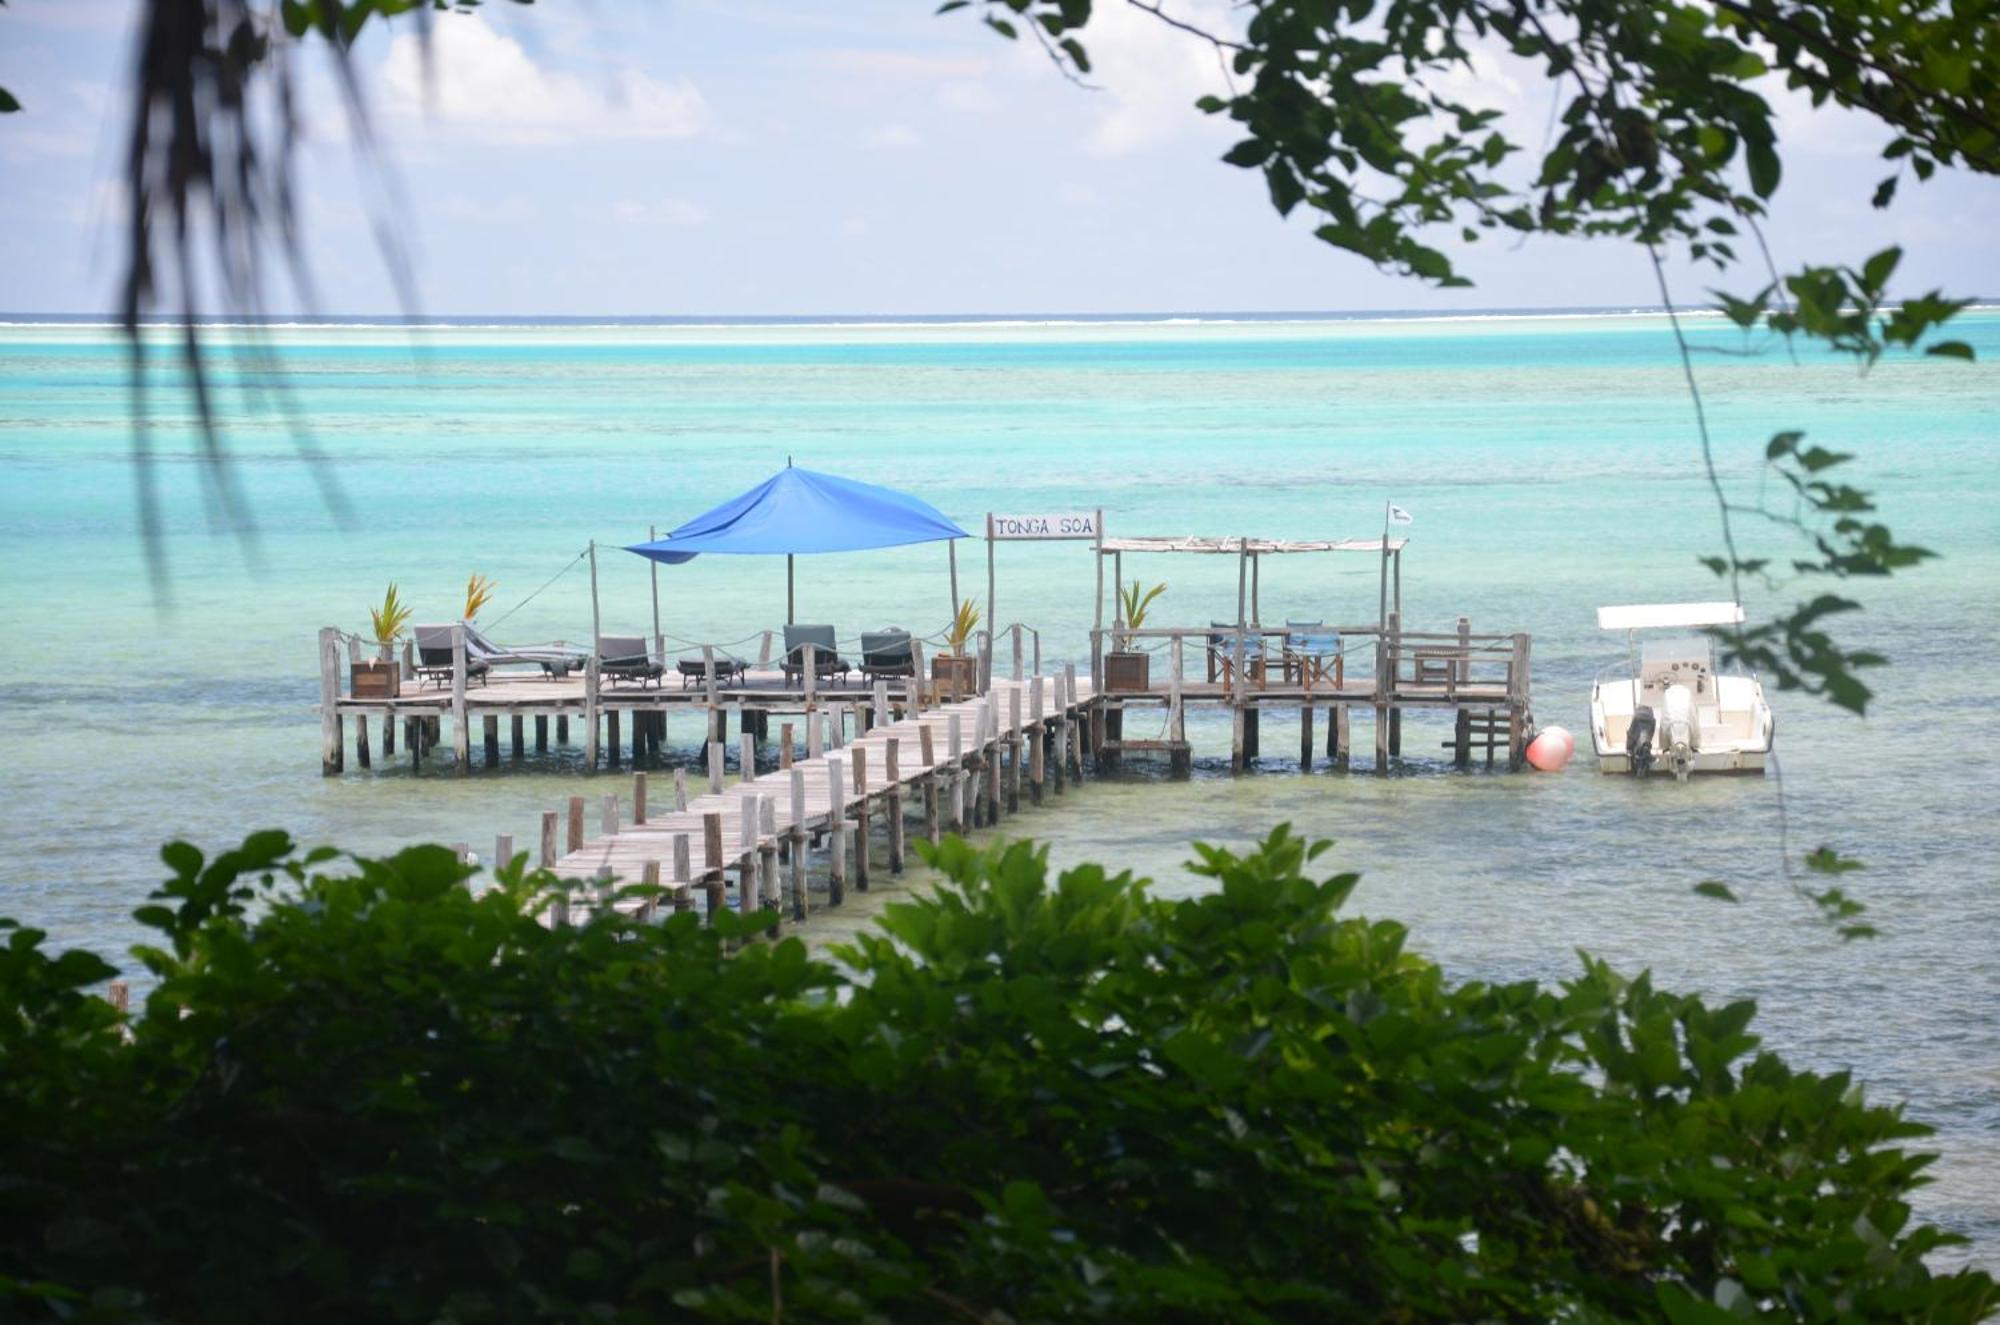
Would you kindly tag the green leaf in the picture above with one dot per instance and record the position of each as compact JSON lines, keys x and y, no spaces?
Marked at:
{"x":8,"y":105}
{"x":1716,"y":889}
{"x":1765,"y":171}
{"x":1950,"y":349}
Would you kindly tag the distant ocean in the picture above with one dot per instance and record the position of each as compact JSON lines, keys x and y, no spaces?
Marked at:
{"x":1550,"y":461}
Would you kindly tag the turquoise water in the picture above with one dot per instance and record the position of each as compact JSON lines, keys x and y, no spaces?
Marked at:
{"x":1551,"y":465}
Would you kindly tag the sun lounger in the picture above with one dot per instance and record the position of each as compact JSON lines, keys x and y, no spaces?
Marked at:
{"x":624,"y":658}
{"x":694,"y":670}
{"x":434,"y":657}
{"x":886,"y":653}
{"x":555,"y":660}
{"x":827,"y":662}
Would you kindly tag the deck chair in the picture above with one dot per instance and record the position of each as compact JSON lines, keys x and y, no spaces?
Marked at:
{"x":1222,"y":651}
{"x":886,"y":653}
{"x":625,"y":658}
{"x":434,"y":657}
{"x":555,"y":660}
{"x":729,"y":669}
{"x":827,"y":660}
{"x":1312,"y":654}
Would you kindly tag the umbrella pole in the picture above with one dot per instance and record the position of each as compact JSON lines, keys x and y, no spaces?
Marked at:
{"x":951,"y":550}
{"x":791,"y":612}
{"x":659,"y":640}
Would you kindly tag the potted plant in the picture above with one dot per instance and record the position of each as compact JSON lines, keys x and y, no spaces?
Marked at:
{"x":379,"y":677}
{"x":1129,"y":668}
{"x":478,"y":593}
{"x":955,"y":672}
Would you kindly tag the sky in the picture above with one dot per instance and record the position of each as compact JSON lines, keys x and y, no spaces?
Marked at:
{"x":786,"y":157}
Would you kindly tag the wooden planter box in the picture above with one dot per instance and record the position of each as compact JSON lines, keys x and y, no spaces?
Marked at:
{"x":374,"y":680}
{"x":1127,"y":671}
{"x":955,"y":676}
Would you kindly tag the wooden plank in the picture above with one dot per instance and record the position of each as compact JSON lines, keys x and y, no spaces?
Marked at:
{"x":332,"y":741}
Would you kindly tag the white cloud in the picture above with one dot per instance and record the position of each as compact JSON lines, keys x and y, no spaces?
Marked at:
{"x":893,"y":136}
{"x":484,"y":86}
{"x":960,"y":94}
{"x":1151,"y":73}
{"x":894,"y":64}
{"x":677,"y":212}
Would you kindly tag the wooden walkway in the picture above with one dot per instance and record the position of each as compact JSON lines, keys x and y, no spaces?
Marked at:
{"x":750,"y":845}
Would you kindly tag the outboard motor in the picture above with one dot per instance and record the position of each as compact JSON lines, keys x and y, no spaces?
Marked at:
{"x":1677,"y":736}
{"x":1639,"y":741}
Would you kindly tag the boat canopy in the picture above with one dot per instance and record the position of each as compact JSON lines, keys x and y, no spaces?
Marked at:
{"x":1658,"y":616}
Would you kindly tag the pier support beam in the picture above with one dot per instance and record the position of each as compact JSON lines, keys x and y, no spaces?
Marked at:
{"x":1339,"y":736}
{"x":332,"y":740}
{"x":1381,"y":740}
{"x":461,"y":732}
{"x":1305,"y":738}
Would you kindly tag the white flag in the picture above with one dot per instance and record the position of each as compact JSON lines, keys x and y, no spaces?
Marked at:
{"x":1397,"y":515}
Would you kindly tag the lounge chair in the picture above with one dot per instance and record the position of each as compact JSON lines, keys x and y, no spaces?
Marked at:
{"x":827,"y":662}
{"x":556,"y":660}
{"x":694,"y":670}
{"x":1313,"y":654}
{"x":887,"y":653}
{"x":624,"y":658}
{"x":1222,"y":651}
{"x":434,"y":657}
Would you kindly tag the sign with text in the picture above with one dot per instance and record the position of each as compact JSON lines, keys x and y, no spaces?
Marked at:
{"x":1075,"y":524}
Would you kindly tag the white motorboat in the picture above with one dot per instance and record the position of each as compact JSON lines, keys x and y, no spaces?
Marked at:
{"x":1669,"y":710}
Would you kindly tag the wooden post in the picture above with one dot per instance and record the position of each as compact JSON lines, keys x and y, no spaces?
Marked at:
{"x":1097,"y":618}
{"x":746,"y":865}
{"x":927,"y":750}
{"x":541,"y":733}
{"x":608,"y":820}
{"x":810,"y":661}
{"x":680,"y":789}
{"x":638,"y":799}
{"x":785,"y":739}
{"x":503,"y":851}
{"x":715,"y":768}
{"x":1395,"y":666}
{"x":461,"y":733}
{"x":590,"y":686}
{"x":1305,"y":738}
{"x":711,"y":862}
{"x":746,"y":756}
{"x":649,"y":878}
{"x":796,"y":837}
{"x":548,"y":856}
{"x":1014,"y":741}
{"x":767,"y":855}
{"x":332,"y":739}
{"x":892,"y":781}
{"x":1016,"y":633}
{"x":518,"y":736}
{"x":859,"y":754}
{"x":955,"y":786}
{"x":992,"y":622}
{"x":1239,"y":757}
{"x":917,"y":674}
{"x":1461,"y":672}
{"x":991,"y":750}
{"x":562,"y":723}
{"x":491,"y":727}
{"x":836,"y":832}
{"x":1340,"y":736}
{"x":683,"y":871}
{"x":815,"y":743}
{"x":1180,"y":759}
{"x":575,"y":839}
{"x":1037,"y":737}
{"x":881,"y":702}
{"x":1461,"y":739}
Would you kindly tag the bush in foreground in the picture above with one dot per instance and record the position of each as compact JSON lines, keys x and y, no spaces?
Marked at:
{"x":359,"y":1093}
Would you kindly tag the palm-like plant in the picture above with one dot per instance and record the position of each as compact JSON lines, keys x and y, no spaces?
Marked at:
{"x":960,"y":630}
{"x":1136,"y":601}
{"x":390,"y":618}
{"x":478,"y":593}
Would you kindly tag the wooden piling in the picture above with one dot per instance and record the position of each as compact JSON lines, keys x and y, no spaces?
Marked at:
{"x":784,"y":746}
{"x":490,"y":730}
{"x":575,"y":839}
{"x":796,"y":839}
{"x":332,"y":740}
{"x":711,"y":862}
{"x":638,"y":798}
{"x":590,"y":683}
{"x":548,"y":856}
{"x":859,"y":757}
{"x":518,"y":731}
{"x":541,"y":733}
{"x":1305,"y":738}
{"x":892,"y":777}
{"x":461,"y":733}
{"x":607,"y":822}
{"x":836,"y":833}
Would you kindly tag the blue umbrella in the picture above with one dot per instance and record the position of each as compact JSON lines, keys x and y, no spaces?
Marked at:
{"x":803,"y":511}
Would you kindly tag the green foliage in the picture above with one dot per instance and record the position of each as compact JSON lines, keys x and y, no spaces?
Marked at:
{"x":1135,"y":600}
{"x":359,"y":1092}
{"x":8,"y":103}
{"x":959,"y":630}
{"x":388,"y":620}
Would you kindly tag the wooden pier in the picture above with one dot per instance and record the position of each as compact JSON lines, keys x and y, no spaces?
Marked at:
{"x":750,"y":844}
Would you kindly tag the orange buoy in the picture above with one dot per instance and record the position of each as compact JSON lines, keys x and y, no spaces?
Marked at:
{"x":1551,"y":749}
